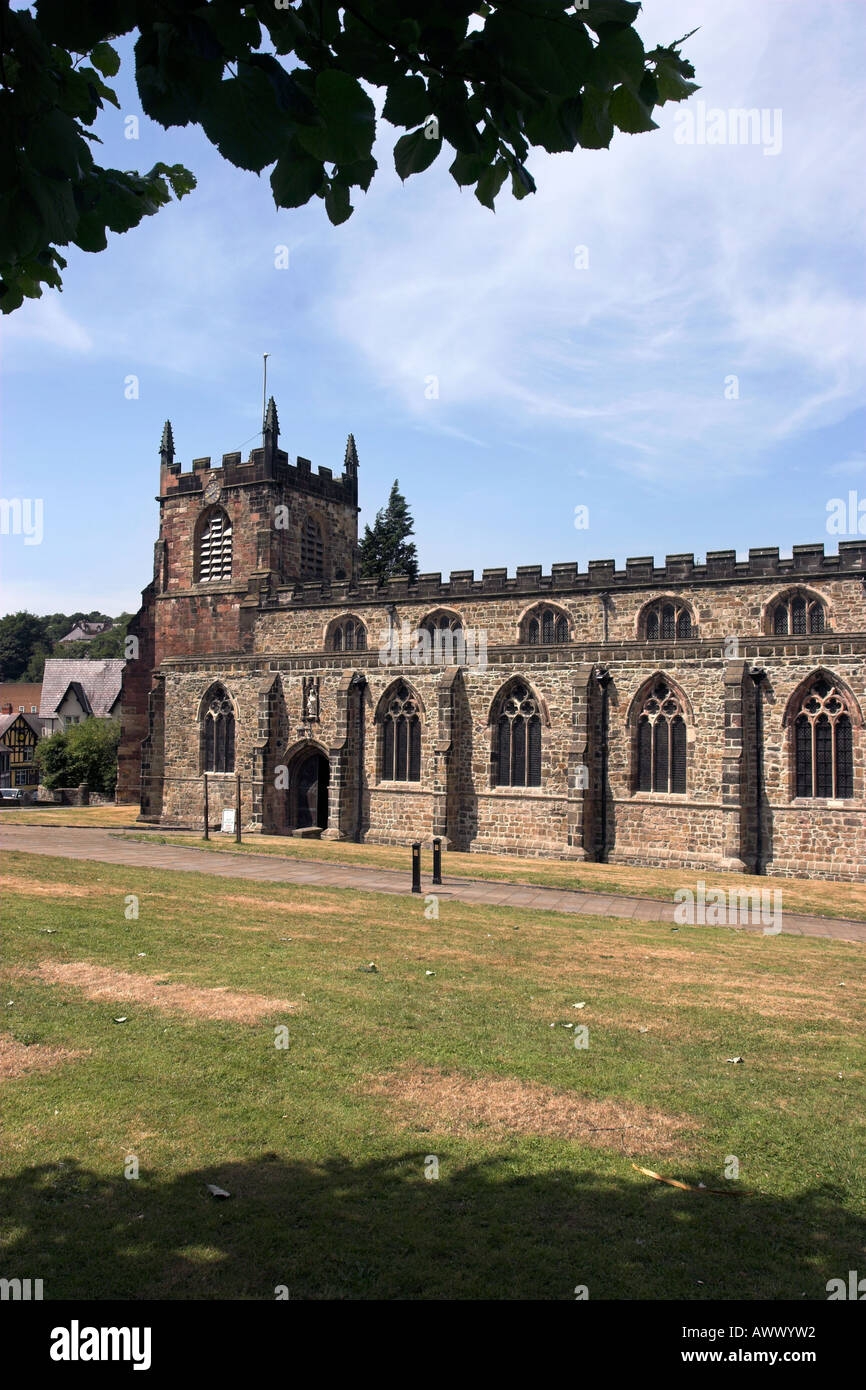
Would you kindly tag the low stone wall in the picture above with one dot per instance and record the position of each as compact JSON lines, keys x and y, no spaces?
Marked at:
{"x":74,"y":796}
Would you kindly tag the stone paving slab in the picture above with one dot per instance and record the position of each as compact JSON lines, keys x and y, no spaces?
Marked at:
{"x":103,"y":847}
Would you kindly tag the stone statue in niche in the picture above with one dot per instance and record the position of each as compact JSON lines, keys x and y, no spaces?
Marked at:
{"x":311,"y":698}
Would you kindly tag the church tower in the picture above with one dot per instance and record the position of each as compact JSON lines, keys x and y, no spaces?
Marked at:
{"x":234,"y":537}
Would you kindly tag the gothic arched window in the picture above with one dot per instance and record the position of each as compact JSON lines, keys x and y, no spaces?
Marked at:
{"x":349,"y":635}
{"x":823,"y":743}
{"x":517,"y":738}
{"x":312,"y":550}
{"x":214,"y":550}
{"x":401,"y":736}
{"x":660,"y":754}
{"x":796,"y":615}
{"x":447,"y":637}
{"x":442,"y":622}
{"x":667,"y":620}
{"x":218,"y":732}
{"x":545,"y":626}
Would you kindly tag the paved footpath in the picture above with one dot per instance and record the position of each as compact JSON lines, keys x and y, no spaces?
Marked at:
{"x":104,"y":847}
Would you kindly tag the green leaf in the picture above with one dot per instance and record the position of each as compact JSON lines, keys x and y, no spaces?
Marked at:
{"x":416,"y":152}
{"x":290,"y":96}
{"x":456,"y":124}
{"x":490,"y":183}
{"x":347,"y":120}
{"x":359,"y":173}
{"x":619,"y":57}
{"x":180,"y":179}
{"x":601,"y":12}
{"x":241,"y":117}
{"x":104,"y":57}
{"x":628,"y":112}
{"x":672,"y":74}
{"x":55,"y":146}
{"x":596,"y":127}
{"x":468,"y":168}
{"x":296,"y":177}
{"x":547,"y":128}
{"x":548,"y":56}
{"x":407,"y":102}
{"x":90,"y":234}
{"x":522,"y":181}
{"x":337,"y":204}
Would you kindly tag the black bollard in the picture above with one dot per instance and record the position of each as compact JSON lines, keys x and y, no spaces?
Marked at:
{"x":437,"y":860}
{"x":416,"y":867}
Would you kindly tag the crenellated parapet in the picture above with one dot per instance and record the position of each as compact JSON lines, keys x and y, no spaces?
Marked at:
{"x":266,"y":464}
{"x":600,"y":576}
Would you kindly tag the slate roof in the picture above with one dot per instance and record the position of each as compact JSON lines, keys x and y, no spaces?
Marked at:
{"x":100,"y":680}
{"x":83,"y":631}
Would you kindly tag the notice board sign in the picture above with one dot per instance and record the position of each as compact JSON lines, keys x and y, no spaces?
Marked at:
{"x":228,"y":822}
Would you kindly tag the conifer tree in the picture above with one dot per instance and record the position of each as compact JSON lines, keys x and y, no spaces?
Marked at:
{"x":385,"y":548}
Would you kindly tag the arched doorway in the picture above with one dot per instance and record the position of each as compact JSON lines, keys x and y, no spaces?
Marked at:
{"x":309,"y":791}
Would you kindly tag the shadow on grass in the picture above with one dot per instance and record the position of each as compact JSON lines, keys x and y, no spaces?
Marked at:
{"x":379,"y":1229}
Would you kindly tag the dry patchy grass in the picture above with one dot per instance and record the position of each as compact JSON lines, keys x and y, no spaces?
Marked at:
{"x":21,"y":1059}
{"x":460,"y":1104}
{"x":155,"y":991}
{"x":35,"y":888}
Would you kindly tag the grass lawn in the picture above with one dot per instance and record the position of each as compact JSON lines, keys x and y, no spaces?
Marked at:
{"x":324,"y":1144}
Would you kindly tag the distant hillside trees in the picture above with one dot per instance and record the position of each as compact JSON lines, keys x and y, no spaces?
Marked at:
{"x":28,"y":640}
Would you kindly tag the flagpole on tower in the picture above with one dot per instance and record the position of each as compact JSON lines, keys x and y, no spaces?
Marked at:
{"x":265,"y":356}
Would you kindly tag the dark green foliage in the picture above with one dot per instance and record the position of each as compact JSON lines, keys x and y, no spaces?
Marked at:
{"x":85,"y":752}
{"x":385,"y":549}
{"x":20,"y":634}
{"x":27,"y":641}
{"x":539,"y":74}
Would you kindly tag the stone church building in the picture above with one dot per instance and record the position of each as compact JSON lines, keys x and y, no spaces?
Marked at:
{"x":703,"y":716}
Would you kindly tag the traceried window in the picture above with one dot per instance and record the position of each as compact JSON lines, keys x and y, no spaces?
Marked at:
{"x":545,"y":626}
{"x":401,"y":737}
{"x":517,"y":739}
{"x":796,"y":615}
{"x":448,"y":640}
{"x":349,"y":635}
{"x":661,"y":742}
{"x":442,"y":622}
{"x":215,"y":548}
{"x":312,"y":550}
{"x":218,"y":733}
{"x":824,"y":743}
{"x":666,"y":620}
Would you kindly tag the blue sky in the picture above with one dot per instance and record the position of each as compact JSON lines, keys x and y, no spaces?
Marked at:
{"x":560,"y":385}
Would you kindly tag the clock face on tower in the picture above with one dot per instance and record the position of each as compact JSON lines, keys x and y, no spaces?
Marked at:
{"x":212,"y":490}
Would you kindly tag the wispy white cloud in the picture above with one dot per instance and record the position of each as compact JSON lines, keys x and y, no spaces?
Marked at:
{"x":703,"y":264}
{"x":45,"y":322}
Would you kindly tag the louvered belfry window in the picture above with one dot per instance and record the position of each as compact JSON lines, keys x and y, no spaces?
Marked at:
{"x":667,"y":620}
{"x":215,"y":548}
{"x":545,"y":626}
{"x":218,"y":734}
{"x":518,"y":739}
{"x":824,"y":743}
{"x":661,"y":757}
{"x":797,"y":615}
{"x":401,"y":737}
{"x":312,"y":550}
